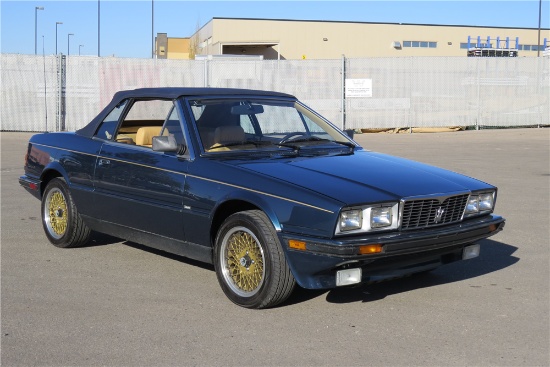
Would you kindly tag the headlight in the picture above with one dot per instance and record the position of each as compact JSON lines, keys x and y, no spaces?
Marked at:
{"x":473,"y":204}
{"x":480,"y":203}
{"x":368,"y":218}
{"x":381,"y":217}
{"x":486,"y":202}
{"x":351,"y":219}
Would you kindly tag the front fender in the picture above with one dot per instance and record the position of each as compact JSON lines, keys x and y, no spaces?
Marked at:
{"x":254,"y":200}
{"x":286,"y":215}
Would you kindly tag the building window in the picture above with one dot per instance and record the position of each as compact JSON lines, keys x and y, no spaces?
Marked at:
{"x":474,"y":45}
{"x":421,"y":44}
{"x":530,"y":47}
{"x":464,"y":45}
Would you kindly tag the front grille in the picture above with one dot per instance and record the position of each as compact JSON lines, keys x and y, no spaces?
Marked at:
{"x":422,"y":213}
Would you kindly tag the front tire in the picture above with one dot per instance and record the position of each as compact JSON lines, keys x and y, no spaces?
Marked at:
{"x":60,"y":219}
{"x":250,"y":263}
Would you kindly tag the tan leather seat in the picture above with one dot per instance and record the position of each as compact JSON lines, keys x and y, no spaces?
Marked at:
{"x":229,"y":134}
{"x":144,"y":135}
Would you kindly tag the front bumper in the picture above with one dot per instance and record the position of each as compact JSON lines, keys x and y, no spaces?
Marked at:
{"x":402,"y":253}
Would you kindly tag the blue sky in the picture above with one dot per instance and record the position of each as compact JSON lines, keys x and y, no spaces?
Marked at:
{"x":126,"y":25}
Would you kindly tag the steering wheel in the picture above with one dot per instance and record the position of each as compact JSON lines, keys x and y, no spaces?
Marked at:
{"x":289,"y":136}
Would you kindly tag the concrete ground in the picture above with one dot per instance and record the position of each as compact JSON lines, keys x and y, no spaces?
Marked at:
{"x":120,"y":304}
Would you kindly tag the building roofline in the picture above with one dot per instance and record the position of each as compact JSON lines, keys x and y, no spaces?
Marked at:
{"x":379,"y":23}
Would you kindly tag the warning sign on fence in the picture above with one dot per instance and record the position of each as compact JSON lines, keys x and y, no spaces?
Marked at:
{"x":358,"y":88}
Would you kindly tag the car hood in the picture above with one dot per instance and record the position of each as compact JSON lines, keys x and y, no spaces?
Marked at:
{"x":365,"y":177}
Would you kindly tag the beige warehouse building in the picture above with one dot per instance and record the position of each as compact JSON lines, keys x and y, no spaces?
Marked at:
{"x":309,"y":39}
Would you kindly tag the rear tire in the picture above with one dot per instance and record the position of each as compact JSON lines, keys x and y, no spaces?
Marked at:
{"x":250,"y":263}
{"x":60,"y":219}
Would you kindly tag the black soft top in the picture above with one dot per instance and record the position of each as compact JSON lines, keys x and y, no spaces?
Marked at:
{"x":171,"y":93}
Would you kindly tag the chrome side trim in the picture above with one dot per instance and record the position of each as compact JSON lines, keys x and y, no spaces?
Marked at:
{"x":194,"y":176}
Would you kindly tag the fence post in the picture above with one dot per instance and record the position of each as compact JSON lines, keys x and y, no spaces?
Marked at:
{"x":343,"y":95}
{"x":205,"y":70}
{"x":539,"y":81}
{"x":411,"y":84}
{"x":61,"y":85}
{"x":45,"y":89}
{"x":478,"y":119}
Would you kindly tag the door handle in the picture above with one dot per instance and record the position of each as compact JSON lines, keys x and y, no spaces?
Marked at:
{"x":104,"y":162}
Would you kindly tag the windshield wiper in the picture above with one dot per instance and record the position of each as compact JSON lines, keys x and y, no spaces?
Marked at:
{"x":346,"y":143}
{"x":297,"y":147}
{"x":309,"y":138}
{"x":236,"y":143}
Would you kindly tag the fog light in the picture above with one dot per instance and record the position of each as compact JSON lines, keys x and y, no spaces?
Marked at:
{"x":470,"y":252}
{"x":348,"y":276}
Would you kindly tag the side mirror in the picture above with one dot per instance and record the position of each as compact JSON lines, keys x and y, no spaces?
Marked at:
{"x":167,"y":144}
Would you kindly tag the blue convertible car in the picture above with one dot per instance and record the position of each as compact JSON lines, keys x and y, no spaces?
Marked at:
{"x":259,"y":185}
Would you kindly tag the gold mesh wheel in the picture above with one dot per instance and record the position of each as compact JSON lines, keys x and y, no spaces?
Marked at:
{"x":250,"y":262}
{"x":56,"y":215}
{"x":242,"y":261}
{"x":60,"y":219}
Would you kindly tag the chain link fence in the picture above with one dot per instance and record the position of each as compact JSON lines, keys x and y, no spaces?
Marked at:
{"x":53,"y":93}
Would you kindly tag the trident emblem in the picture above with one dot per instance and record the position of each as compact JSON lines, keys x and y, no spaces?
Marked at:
{"x":439,"y":214}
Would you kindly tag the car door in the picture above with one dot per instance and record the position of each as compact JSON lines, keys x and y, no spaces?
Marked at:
{"x":137,"y":187}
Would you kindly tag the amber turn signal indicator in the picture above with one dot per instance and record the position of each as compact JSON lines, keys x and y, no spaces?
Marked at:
{"x":370,"y":249}
{"x":297,"y":245}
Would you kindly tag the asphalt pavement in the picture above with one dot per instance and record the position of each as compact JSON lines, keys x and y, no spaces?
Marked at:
{"x":116,"y":303}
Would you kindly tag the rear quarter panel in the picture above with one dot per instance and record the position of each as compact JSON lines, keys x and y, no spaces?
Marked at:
{"x":68,"y":155}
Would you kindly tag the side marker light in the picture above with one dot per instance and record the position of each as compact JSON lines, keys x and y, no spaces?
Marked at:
{"x":297,"y":245}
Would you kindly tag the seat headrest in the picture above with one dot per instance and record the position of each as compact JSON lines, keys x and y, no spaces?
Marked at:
{"x":144,"y":135}
{"x":228,"y":134}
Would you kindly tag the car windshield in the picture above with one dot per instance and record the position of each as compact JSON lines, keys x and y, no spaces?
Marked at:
{"x":256,"y":124}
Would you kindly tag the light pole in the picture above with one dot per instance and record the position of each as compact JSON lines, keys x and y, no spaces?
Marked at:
{"x":68,"y":48}
{"x":79,"y":49}
{"x":98,"y":25}
{"x":56,"y":24}
{"x":538,"y":43}
{"x":152,"y":29}
{"x":36,"y":9}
